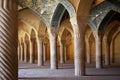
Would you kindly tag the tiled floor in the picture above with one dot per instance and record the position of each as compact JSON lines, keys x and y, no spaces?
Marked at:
{"x":66,"y":72}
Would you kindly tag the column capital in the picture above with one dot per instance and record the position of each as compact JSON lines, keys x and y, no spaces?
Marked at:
{"x":41,"y":37}
{"x":98,"y":34}
{"x":53,"y":32}
{"x":79,"y":21}
{"x":63,"y":42}
{"x":33,"y":39}
{"x":78,"y":28}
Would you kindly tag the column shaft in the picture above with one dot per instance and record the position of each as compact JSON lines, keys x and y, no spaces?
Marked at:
{"x":107,"y":54}
{"x":79,"y":55}
{"x":44,"y":51}
{"x":8,"y":40}
{"x":25,"y":52}
{"x":40,"y":52}
{"x":98,"y":52}
{"x":32,"y":51}
{"x":61,"y":53}
{"x":18,"y":52}
{"x":21,"y":52}
{"x":112,"y":52}
{"x":53,"y":52}
{"x":65,"y":53}
{"x":79,"y":46}
{"x":88,"y":52}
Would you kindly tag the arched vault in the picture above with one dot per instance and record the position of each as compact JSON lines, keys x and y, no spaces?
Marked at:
{"x":59,"y":12}
{"x":103,"y":14}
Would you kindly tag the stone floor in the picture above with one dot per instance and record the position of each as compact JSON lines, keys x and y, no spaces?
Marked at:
{"x":66,"y":72}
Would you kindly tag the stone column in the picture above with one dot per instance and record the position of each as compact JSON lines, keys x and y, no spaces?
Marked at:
{"x":61,"y":52}
{"x":88,"y":52}
{"x":107,"y":53}
{"x":21,"y":52}
{"x":53,"y":47}
{"x":32,"y":51}
{"x":79,"y":46}
{"x":8,"y":40}
{"x":65,"y":52}
{"x":18,"y":52}
{"x":40,"y":51}
{"x":112,"y":52}
{"x":25,"y":52}
{"x":98,"y":38}
{"x":44,"y":52}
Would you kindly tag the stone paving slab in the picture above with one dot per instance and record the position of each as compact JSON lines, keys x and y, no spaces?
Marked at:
{"x":66,"y":72}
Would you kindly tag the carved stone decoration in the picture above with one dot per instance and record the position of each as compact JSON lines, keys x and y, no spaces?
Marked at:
{"x":43,"y":8}
{"x":53,"y":32}
{"x":8,"y":40}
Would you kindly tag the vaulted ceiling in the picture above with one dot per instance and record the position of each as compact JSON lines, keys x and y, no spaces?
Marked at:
{"x":37,"y":15}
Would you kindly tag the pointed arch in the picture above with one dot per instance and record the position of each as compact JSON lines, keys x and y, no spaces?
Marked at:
{"x":33,"y":34}
{"x":22,"y":40}
{"x":112,"y":32}
{"x":65,"y":34}
{"x":26,"y":37}
{"x":59,"y":12}
{"x":111,"y":15}
{"x":99,"y":17}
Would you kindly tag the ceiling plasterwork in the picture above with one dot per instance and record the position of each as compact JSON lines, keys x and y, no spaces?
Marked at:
{"x":43,"y":8}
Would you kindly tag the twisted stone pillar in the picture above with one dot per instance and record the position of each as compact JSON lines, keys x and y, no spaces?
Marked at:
{"x":8,"y":40}
{"x":98,"y":37}
{"x":40,"y":51}
{"x":79,"y":52}
{"x":53,"y":48}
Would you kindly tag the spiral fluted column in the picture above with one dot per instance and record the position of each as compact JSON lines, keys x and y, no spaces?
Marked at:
{"x":8,"y":40}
